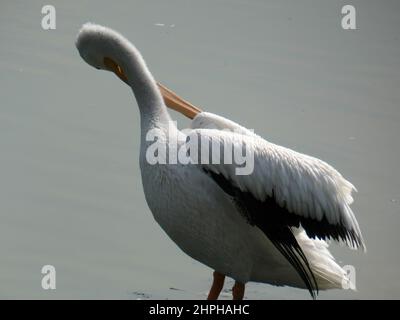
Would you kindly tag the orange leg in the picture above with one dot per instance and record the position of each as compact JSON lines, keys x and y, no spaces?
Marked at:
{"x":238,"y":291}
{"x":218,"y":284}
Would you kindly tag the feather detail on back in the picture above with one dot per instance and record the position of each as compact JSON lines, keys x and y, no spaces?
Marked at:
{"x":305,"y":187}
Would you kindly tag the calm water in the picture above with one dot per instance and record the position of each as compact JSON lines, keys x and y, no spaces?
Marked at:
{"x":70,"y":190}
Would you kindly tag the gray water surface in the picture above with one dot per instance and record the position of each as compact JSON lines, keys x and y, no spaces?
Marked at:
{"x":70,"y":190}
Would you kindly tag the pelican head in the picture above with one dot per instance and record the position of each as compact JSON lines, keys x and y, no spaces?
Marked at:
{"x":101,"y":48}
{"x":106,"y":49}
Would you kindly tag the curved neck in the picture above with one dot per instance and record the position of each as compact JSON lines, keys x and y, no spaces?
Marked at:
{"x":153,"y":111}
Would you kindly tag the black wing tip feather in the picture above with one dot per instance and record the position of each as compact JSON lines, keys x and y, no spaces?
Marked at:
{"x":301,"y":266}
{"x":324,"y":230}
{"x":279,"y":234}
{"x":315,"y":229}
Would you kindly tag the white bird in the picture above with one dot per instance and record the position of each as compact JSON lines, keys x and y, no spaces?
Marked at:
{"x":269,"y":226}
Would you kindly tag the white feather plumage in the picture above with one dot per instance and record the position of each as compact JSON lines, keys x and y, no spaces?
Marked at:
{"x":198,"y":215}
{"x":305,"y":185}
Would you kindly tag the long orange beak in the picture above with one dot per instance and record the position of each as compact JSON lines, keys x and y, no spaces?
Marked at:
{"x":171,"y":99}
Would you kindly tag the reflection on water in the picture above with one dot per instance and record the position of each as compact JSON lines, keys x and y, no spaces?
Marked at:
{"x":70,"y":188}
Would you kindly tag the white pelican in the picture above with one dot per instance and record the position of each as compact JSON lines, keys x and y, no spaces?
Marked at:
{"x":270,"y":226}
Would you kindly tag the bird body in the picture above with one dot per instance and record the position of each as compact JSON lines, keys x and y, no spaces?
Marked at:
{"x":267,"y":226}
{"x":209,"y":229}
